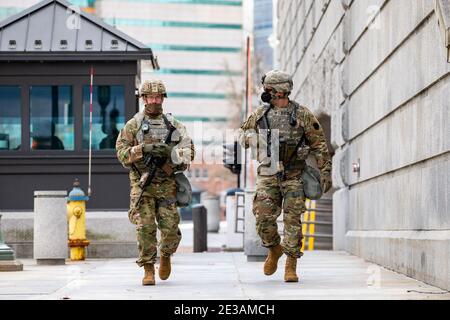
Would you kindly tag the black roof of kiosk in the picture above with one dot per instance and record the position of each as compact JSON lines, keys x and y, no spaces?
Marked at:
{"x":56,"y":30}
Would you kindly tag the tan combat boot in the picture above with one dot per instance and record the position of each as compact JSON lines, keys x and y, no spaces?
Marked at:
{"x":164,"y":267}
{"x":271,"y":263}
{"x":149,"y":278}
{"x":290,"y":271}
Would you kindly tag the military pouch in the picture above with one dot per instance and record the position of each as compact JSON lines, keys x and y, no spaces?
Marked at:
{"x":311,"y":183}
{"x":184,"y":190}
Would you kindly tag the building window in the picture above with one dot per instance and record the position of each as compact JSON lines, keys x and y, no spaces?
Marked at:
{"x":108,"y":116}
{"x":205,"y":173}
{"x":51,"y":118}
{"x":10,"y":120}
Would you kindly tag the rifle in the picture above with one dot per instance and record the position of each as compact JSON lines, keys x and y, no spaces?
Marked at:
{"x":153,"y":163}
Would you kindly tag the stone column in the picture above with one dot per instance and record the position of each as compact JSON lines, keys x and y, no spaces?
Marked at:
{"x":212,"y":205}
{"x":50,"y":227}
{"x":7,"y":261}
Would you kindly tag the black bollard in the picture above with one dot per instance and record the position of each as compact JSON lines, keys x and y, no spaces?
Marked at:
{"x":199,"y":216}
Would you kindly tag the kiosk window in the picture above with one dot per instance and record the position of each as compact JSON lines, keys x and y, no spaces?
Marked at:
{"x":51,"y":118}
{"x":10,"y":118}
{"x":108,"y":116}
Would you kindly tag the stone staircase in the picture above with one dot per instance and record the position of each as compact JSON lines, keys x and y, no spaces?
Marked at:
{"x":317,"y":223}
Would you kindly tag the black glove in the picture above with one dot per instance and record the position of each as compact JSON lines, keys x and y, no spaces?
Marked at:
{"x":160,"y":150}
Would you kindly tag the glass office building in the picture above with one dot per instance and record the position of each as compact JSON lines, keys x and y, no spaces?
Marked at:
{"x":262,"y":30}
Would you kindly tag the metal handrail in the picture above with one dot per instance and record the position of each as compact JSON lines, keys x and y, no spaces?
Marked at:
{"x":237,"y":218}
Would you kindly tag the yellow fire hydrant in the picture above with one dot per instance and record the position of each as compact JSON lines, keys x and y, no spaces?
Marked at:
{"x":76,"y":216}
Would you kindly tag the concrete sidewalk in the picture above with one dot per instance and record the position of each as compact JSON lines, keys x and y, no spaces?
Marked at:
{"x":224,"y":276}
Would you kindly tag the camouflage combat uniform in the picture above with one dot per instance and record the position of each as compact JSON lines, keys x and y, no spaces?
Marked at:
{"x":280,"y":188}
{"x":158,"y":205}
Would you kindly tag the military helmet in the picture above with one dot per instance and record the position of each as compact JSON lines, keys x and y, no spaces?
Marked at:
{"x":153,"y":86}
{"x":278,"y":80}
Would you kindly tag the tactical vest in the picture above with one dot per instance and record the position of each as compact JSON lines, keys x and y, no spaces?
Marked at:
{"x":152,"y":131}
{"x":290,"y":134}
{"x":157,"y":132}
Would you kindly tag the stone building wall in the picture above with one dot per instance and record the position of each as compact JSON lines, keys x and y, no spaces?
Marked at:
{"x":379,"y":69}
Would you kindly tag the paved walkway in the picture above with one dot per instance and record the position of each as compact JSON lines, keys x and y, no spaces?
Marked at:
{"x":324,"y":275}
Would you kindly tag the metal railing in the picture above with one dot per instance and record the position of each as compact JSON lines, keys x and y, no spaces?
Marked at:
{"x":240,"y":212}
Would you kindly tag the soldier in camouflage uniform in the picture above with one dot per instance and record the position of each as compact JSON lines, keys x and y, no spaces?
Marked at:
{"x":145,"y":134}
{"x":275,"y":130}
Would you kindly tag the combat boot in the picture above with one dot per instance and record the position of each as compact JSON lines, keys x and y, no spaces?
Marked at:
{"x":290,"y":271}
{"x":149,"y":278}
{"x":271,"y":263}
{"x":164,"y":267}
